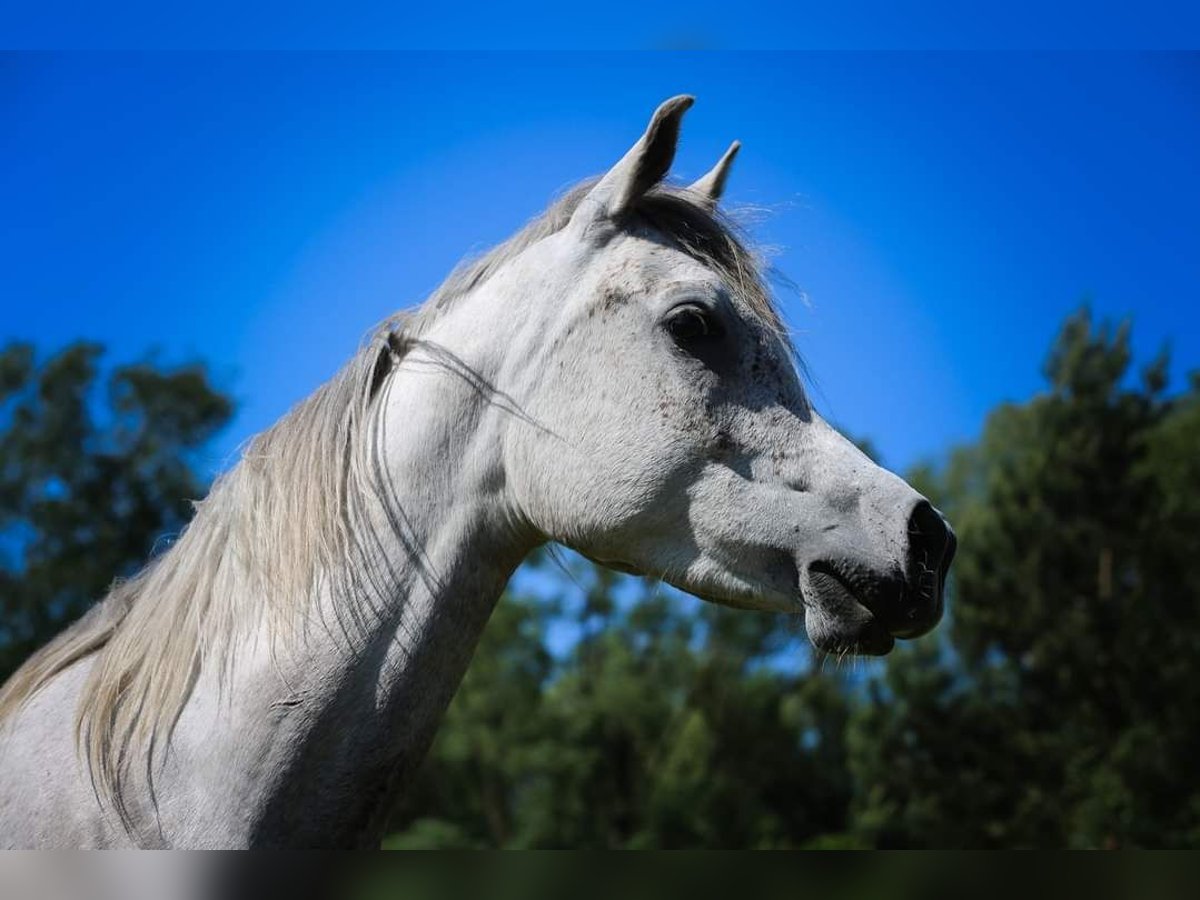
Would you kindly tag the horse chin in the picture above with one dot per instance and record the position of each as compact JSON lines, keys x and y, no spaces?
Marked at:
{"x":837,"y":623}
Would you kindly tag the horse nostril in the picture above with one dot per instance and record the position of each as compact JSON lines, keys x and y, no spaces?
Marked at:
{"x":930,"y":540}
{"x":931,"y":546}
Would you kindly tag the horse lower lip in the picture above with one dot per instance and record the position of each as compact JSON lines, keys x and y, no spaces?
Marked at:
{"x":870,"y":638}
{"x":848,"y":624}
{"x":900,"y":621}
{"x":875,"y":640}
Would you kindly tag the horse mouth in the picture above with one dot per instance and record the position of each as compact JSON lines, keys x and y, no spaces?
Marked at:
{"x":837,"y":617}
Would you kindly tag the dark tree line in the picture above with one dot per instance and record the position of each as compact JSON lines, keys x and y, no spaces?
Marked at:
{"x":1058,"y":705}
{"x":96,"y":470}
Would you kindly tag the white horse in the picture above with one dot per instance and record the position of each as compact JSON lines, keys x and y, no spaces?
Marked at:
{"x":614,"y":377}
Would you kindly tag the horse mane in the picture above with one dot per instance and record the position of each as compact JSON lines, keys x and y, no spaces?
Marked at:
{"x":293,"y":517}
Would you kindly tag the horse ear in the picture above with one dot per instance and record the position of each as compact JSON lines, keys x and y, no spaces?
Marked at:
{"x":641,"y":168}
{"x":708,"y":188}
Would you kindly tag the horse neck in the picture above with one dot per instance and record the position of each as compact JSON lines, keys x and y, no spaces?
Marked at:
{"x":332,"y":726}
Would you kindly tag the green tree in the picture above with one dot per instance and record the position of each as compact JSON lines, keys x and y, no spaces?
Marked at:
{"x":1064,"y":709}
{"x":93,"y":472}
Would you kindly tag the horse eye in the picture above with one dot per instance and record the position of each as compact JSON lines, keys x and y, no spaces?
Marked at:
{"x":690,"y":323}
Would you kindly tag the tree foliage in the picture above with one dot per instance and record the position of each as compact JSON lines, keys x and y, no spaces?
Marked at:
{"x":1065,"y":710}
{"x":94,"y":471}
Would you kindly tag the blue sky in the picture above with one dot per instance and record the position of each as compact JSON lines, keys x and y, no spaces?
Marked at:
{"x":941,"y":212}
{"x":615,"y":24}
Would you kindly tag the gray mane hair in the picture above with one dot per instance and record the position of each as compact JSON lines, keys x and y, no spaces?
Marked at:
{"x":298,"y":514}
